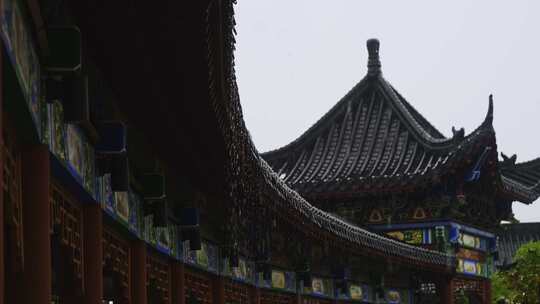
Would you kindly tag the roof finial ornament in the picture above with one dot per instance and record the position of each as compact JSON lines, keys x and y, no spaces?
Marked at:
{"x":511,"y":161}
{"x":374,"y":64}
{"x":489,"y":115}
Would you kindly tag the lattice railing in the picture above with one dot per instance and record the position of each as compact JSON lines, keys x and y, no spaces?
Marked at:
{"x":116,"y":259}
{"x":198,"y":287}
{"x":268,"y":297}
{"x":236,"y":292}
{"x":315,"y":301}
{"x":158,"y":276}
{"x":13,"y":202}
{"x":66,"y":224}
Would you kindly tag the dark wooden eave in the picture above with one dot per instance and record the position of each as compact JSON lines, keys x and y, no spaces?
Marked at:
{"x":172,"y":68}
{"x":154,"y":57}
{"x":521,"y":181}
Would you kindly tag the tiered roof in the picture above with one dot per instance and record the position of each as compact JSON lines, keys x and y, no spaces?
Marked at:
{"x":513,"y":236}
{"x":374,"y":141}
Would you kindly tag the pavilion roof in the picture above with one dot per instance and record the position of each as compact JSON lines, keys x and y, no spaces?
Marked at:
{"x":374,"y":141}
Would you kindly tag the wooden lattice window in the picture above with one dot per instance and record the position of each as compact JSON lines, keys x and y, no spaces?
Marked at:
{"x":198,"y":287}
{"x":117,"y":261}
{"x":315,"y":301}
{"x":13,"y":201}
{"x":469,"y":288}
{"x":66,"y":226}
{"x":269,"y":297}
{"x":158,"y":277}
{"x":236,"y":292}
{"x":428,"y":288}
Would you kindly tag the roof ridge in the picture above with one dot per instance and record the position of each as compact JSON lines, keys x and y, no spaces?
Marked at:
{"x":530,"y":162}
{"x":417,"y":114}
{"x":361,"y":85}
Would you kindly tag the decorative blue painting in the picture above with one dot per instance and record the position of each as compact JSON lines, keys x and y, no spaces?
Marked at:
{"x":135,"y":205}
{"x":21,"y":51}
{"x":108,"y":200}
{"x":290,"y":281}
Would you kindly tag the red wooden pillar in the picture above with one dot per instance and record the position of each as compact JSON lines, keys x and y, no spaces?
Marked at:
{"x":2,"y":265}
{"x":218,"y":285}
{"x":36,"y":217}
{"x":446,"y":291}
{"x":487,"y":291}
{"x":93,"y":254}
{"x":178,"y":282}
{"x":255,"y":295}
{"x":138,"y":273}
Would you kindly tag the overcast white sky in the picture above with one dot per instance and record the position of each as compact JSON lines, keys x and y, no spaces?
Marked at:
{"x":297,"y":58}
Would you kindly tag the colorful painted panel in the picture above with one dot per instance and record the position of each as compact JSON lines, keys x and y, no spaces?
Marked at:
{"x":213,"y":257}
{"x":20,"y":49}
{"x":89,"y":168}
{"x":56,"y":130}
{"x":416,"y":237}
{"x":122,"y":205}
{"x":317,"y":286}
{"x":190,"y":256}
{"x":469,"y":254}
{"x":393,"y":296}
{"x":108,"y":199}
{"x":150,"y":234}
{"x":206,"y":258}
{"x":201,"y":256}
{"x":356,"y":292}
{"x":176,"y":244}
{"x":242,"y":272}
{"x":261,"y":282}
{"x":75,"y":150}
{"x":471,"y":267}
{"x":278,"y":279}
{"x":245,"y":271}
{"x":163,"y":239}
{"x":290,"y":281}
{"x":320,"y":287}
{"x":135,"y":208}
{"x":471,"y":241}
{"x":70,"y":145}
{"x":397,"y":296}
{"x":80,"y":157}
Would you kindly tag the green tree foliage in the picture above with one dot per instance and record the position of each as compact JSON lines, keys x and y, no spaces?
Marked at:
{"x":521,"y":283}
